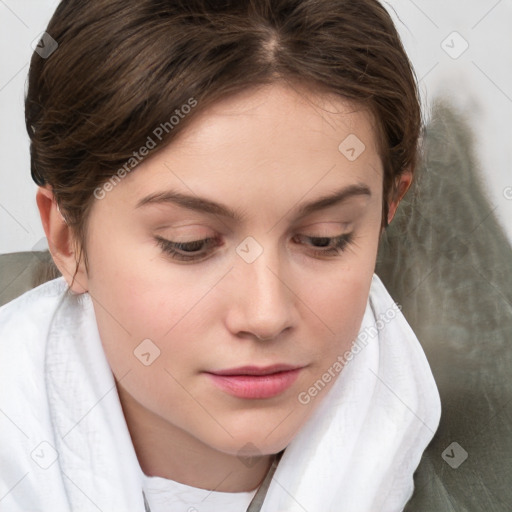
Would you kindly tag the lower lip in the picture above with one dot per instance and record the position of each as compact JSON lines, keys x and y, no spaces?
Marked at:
{"x":255,"y":386}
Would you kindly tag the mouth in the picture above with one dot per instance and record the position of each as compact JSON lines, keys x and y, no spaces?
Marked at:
{"x":253,"y":382}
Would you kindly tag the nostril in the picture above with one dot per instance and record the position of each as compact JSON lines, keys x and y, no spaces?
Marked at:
{"x":264,"y":338}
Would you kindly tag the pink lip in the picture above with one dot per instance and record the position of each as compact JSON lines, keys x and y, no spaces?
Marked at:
{"x":255,"y":382}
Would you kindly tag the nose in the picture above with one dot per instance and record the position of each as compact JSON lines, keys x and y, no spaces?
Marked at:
{"x":263,"y":304}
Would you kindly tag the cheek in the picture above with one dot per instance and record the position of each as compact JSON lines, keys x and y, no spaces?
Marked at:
{"x":340,"y":306}
{"x":132,"y":301}
{"x":134,"y":306}
{"x":135,"y":286}
{"x":337,"y":296}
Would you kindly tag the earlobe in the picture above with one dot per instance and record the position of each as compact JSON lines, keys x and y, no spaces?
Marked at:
{"x":61,"y":240}
{"x":401,"y":188}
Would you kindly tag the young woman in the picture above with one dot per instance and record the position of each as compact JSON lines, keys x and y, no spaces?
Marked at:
{"x":213,"y":180}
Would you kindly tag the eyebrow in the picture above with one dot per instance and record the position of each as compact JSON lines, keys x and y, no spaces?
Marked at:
{"x":203,"y":205}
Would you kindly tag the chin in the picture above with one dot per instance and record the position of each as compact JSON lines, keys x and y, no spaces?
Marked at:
{"x":261,"y":434}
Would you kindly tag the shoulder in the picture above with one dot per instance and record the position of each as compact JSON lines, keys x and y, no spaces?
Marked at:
{"x":26,"y":422}
{"x":32,"y":303}
{"x":24,"y":321}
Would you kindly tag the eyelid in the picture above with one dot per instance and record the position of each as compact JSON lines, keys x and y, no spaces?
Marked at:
{"x":195,"y":227}
{"x":343,"y":224}
{"x":171,"y":247}
{"x":345,"y":227}
{"x":330,"y":251}
{"x":320,"y":230}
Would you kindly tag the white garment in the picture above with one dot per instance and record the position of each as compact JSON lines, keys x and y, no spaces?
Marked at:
{"x":165,"y":495}
{"x":65,"y":445}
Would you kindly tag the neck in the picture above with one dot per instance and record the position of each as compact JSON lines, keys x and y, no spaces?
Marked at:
{"x":167,"y":451}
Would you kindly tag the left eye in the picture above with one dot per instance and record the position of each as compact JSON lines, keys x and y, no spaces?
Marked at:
{"x":199,"y":249}
{"x":328,"y":245}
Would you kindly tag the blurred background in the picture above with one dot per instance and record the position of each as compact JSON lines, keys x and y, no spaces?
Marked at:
{"x":460,"y":50}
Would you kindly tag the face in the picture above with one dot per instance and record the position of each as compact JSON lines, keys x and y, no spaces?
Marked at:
{"x":245,"y":247}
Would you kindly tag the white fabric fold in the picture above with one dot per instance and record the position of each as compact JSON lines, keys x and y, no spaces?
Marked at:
{"x":65,"y":445}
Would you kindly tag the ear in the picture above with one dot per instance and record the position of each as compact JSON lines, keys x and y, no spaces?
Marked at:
{"x":61,"y":241}
{"x":402,"y":187}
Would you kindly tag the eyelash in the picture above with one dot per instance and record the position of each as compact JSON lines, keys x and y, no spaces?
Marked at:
{"x":172,"y":248}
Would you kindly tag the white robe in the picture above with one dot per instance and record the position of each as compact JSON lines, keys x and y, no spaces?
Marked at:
{"x":65,"y":445}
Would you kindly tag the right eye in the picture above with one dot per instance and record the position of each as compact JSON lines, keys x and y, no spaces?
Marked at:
{"x":186,"y":251}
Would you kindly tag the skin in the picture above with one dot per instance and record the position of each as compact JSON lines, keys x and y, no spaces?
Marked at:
{"x":263,"y":153}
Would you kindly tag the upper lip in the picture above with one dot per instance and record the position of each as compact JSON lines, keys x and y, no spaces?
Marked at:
{"x":256,"y":370}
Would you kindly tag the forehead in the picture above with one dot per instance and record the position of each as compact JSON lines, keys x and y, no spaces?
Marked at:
{"x":274,"y":140}
{"x":295,"y":113}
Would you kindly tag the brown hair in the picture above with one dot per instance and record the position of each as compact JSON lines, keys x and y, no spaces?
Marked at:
{"x":122,"y":68}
